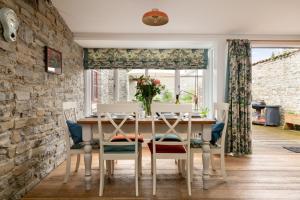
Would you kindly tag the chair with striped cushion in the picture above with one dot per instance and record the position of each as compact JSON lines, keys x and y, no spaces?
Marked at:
{"x":116,"y":144}
{"x":170,"y":144}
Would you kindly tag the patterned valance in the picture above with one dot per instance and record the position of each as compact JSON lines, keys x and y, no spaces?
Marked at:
{"x":146,"y":58}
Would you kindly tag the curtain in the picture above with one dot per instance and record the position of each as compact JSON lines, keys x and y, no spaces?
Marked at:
{"x":238,"y":95}
{"x":102,"y":58}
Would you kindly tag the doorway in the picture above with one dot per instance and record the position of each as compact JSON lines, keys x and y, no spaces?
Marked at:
{"x":275,"y":86}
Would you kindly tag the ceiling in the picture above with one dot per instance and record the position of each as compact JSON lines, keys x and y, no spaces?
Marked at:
{"x":89,"y":18}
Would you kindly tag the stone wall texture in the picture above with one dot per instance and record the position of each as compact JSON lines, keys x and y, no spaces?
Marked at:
{"x":107,"y":85}
{"x":31,"y":133}
{"x":277,"y":81}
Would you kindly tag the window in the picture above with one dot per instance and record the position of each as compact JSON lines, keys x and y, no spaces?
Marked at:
{"x":167,"y":78}
{"x":119,"y":85}
{"x":191,"y":87}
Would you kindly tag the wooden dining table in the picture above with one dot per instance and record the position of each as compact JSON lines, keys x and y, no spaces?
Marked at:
{"x":198,"y":125}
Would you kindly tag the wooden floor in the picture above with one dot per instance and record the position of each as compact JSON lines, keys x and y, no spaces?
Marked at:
{"x":270,"y":173}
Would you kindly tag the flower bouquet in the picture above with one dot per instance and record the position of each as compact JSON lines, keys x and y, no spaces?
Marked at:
{"x":146,"y":89}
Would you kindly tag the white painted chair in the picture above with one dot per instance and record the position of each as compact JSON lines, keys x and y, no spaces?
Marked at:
{"x":111,"y":165}
{"x":178,"y":149}
{"x":221,"y":114}
{"x":69,"y":112}
{"x":111,"y":150}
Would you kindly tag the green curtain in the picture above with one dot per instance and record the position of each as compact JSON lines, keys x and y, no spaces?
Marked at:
{"x":238,"y":95}
{"x":110,"y":58}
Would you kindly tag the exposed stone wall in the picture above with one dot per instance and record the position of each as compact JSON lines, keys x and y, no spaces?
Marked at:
{"x":31,"y":135}
{"x":123,"y":84}
{"x":278,"y":82}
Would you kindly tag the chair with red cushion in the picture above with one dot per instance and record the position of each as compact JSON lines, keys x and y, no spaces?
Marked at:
{"x":171,"y":144}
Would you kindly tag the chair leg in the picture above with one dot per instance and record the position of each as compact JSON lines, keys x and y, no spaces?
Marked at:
{"x":154,"y":176}
{"x":101,"y":186}
{"x":152,"y":164}
{"x":140,"y":154}
{"x":188,"y":169}
{"x":192,"y":166}
{"x":179,"y":166}
{"x":136,"y":177}
{"x":112,"y":167}
{"x":108,"y":168}
{"x":223,"y":168}
{"x":183,"y":165}
{"x":68,"y":168}
{"x":99,"y":162}
{"x":77,"y":162}
{"x":213,"y":166}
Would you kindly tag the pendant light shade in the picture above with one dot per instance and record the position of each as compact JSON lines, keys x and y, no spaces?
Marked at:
{"x":155,"y":18}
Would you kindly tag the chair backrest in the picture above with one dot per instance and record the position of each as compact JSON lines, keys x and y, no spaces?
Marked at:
{"x":107,"y":110}
{"x":182,"y":110}
{"x":69,"y":111}
{"x":221,"y":114}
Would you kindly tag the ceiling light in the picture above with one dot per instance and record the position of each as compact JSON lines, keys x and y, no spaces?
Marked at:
{"x":155,"y":18}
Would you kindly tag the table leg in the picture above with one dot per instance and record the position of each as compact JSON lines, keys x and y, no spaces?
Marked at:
{"x":87,"y":137}
{"x":206,"y":137}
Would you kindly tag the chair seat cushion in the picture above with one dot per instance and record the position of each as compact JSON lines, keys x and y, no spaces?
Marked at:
{"x":121,"y":138}
{"x":77,"y":146}
{"x":119,"y":149}
{"x":75,"y":131}
{"x":216,"y":132}
{"x":196,"y":142}
{"x":94,"y":143}
{"x":167,"y":137}
{"x":167,"y":148}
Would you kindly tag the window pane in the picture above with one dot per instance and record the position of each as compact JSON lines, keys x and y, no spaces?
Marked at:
{"x":106,"y":85}
{"x":167,"y":78}
{"x":123,"y":85}
{"x":191,"y":88}
{"x":133,"y":74}
{"x":95,"y":89}
{"x":95,"y":79}
{"x":127,"y":85}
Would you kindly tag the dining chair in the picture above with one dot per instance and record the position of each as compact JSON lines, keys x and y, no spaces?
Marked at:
{"x":170,"y":144}
{"x":111,"y":165}
{"x":112,"y":149}
{"x":69,"y":112}
{"x":221,"y":115}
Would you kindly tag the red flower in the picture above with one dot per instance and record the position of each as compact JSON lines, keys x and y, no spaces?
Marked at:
{"x":156,"y":82}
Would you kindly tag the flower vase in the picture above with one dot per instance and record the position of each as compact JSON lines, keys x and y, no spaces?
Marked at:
{"x":147,"y":106}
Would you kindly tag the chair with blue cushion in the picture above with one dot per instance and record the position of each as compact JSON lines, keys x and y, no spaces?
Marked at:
{"x":112,"y":148}
{"x":217,"y":143}
{"x":73,"y":137}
